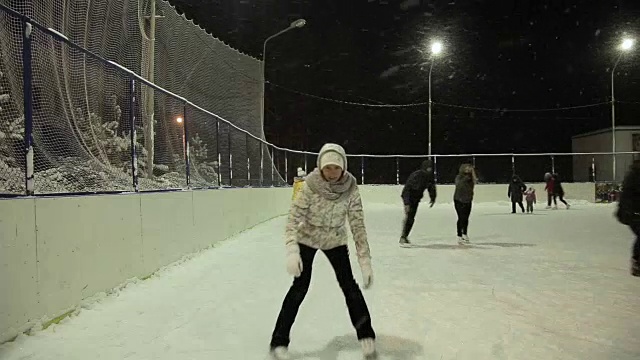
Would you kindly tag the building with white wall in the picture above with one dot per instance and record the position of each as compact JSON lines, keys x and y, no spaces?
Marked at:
{"x":627,"y":139}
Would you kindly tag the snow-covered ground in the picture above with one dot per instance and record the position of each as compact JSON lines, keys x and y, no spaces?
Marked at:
{"x":552,"y":285}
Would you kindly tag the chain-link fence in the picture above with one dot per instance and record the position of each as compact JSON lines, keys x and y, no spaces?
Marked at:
{"x":72,"y":121}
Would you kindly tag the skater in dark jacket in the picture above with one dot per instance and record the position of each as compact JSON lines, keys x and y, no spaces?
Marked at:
{"x":548,"y":179}
{"x":463,"y":198}
{"x":629,"y":211}
{"x":413,"y":191}
{"x":558,"y":191}
{"x":516,"y":189}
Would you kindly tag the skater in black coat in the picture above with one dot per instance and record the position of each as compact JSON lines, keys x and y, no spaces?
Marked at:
{"x":463,"y":199}
{"x":515,"y":192}
{"x":558,"y":191}
{"x":629,"y":211}
{"x":413,"y":192}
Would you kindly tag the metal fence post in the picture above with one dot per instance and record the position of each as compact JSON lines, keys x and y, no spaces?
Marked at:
{"x":230,"y":157}
{"x":305,"y":164}
{"x":397,"y":171}
{"x":134,"y":134}
{"x":273,"y":163}
{"x":553,"y":164}
{"x":219,"y":154}
{"x":246,"y":143}
{"x":261,"y":164}
{"x":362,"y":170}
{"x":27,"y":78}
{"x":286,"y":169}
{"x":185,"y":143}
{"x":513,"y":164}
{"x":435,"y":168}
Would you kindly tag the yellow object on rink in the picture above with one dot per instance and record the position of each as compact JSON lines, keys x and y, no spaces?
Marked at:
{"x":297,"y":186}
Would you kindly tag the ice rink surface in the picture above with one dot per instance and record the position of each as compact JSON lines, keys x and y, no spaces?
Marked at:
{"x":550,"y":285}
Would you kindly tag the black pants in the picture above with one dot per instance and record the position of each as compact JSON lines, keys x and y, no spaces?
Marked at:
{"x":410,"y":209}
{"x":555,"y":202}
{"x":513,"y":206}
{"x":635,"y":254}
{"x":358,"y":311}
{"x":549,"y":197}
{"x":561,"y":197}
{"x":463,"y":210}
{"x":529,"y":206}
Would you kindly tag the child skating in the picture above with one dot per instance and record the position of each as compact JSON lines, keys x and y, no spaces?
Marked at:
{"x":530,"y":198}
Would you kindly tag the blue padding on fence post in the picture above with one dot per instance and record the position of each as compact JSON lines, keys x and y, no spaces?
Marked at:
{"x":185,"y":144}
{"x":27,"y":78}
{"x":134,"y":134}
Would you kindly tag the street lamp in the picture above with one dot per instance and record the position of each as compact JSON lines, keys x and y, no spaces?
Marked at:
{"x":626,"y":45}
{"x":180,"y":120}
{"x":436,"y":49}
{"x":294,"y":25}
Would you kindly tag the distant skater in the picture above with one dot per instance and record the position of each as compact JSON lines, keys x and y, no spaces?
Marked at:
{"x":558,"y":191}
{"x":462,"y":199}
{"x":515,"y":192}
{"x":412,"y":193}
{"x":530,"y":198}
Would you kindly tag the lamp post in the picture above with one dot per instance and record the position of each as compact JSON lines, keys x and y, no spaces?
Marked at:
{"x":625,"y":46}
{"x":294,"y":25}
{"x":180,"y":121}
{"x":436,"y":48}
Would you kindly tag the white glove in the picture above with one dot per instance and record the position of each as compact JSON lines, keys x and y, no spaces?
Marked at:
{"x":367,"y":274}
{"x":294,"y":264}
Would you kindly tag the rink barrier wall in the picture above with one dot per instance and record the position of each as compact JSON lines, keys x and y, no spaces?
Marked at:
{"x":56,"y":252}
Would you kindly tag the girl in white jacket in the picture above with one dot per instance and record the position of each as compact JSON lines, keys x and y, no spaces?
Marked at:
{"x":317,"y":222}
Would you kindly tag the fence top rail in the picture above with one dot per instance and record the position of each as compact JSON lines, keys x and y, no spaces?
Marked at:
{"x":61,"y":37}
{"x":492,"y":154}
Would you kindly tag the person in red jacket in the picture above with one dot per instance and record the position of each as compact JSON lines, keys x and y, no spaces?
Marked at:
{"x":548,"y":179}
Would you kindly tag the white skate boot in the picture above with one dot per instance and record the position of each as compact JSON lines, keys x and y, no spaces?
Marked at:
{"x":280,"y":353}
{"x":368,"y":348}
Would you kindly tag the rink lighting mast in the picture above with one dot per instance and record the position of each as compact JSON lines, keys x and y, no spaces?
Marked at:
{"x":436,"y":49}
{"x":625,"y":46}
{"x":294,"y":25}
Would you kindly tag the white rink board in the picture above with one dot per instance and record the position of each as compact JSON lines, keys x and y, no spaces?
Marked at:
{"x":85,"y":245}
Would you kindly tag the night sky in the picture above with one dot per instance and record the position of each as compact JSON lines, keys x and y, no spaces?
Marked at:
{"x":526,"y":54}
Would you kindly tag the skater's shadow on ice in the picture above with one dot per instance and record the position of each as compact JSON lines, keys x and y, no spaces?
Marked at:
{"x":392,"y":347}
{"x":446,"y":246}
{"x":511,"y":214}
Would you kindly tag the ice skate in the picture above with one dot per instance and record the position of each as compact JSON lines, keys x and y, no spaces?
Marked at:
{"x":404,"y":242}
{"x":463,"y":240}
{"x":368,"y":348}
{"x":568,"y":206}
{"x":280,"y":353}
{"x":635,"y":267}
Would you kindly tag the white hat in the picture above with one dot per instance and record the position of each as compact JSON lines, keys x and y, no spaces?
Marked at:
{"x":331,"y":158}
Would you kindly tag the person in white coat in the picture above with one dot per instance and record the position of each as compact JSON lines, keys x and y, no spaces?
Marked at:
{"x":317,"y":221}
